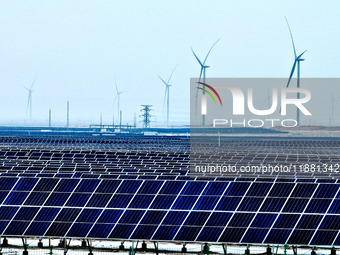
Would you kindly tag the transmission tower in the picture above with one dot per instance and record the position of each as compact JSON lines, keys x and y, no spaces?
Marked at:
{"x":146,"y":115}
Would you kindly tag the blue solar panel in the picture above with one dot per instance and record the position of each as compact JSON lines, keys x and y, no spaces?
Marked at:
{"x":219,"y":219}
{"x":7,"y":212}
{"x":99,"y":200}
{"x":206,"y":203}
{"x":323,"y":237}
{"x":101,"y":230}
{"x":259,"y":189}
{"x":215,"y":188}
{"x":68,"y":214}
{"x":26,"y":213}
{"x":281,"y":190}
{"x":335,"y":206}
{"x":318,"y":205}
{"x":175,"y":218}
{"x":78,"y":200}
{"x":196,"y":218}
{"x":309,"y":221}
{"x":165,"y":232}
{"x":250,"y":204}
{"x":241,"y":219}
{"x":131,"y":216}
{"x":184,"y":202}
{"x":108,"y":186}
{"x":47,"y":214}
{"x":120,"y":201}
{"x":7,"y":183}
{"x":255,"y":235}
{"x":326,"y":191}
{"x":122,"y":231}
{"x":300,"y":236}
{"x":162,"y":202}
{"x":272,"y":204}
{"x":15,"y":198}
{"x":66,"y":185}
{"x":277,"y":236}
{"x":286,"y":220}
{"x":16,"y":228}
{"x":79,"y":230}
{"x":263,"y":220}
{"x":37,"y":228}
{"x":209,"y":234}
{"x":150,"y":187}
{"x":89,"y":215}
{"x":129,"y":186}
{"x":25,"y":184}
{"x":232,"y":235}
{"x":331,"y":222}
{"x":141,"y":201}
{"x":228,"y":203}
{"x":304,"y":190}
{"x":188,"y":233}
{"x":36,"y":198}
{"x":237,"y":189}
{"x":295,"y":205}
{"x":57,"y":199}
{"x":153,"y":217}
{"x":193,"y":188}
{"x":87,"y":185}
{"x":46,"y":185}
{"x":143,"y":232}
{"x":58,"y":229}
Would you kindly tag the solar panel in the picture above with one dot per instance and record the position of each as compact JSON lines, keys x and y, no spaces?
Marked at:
{"x":142,"y":190}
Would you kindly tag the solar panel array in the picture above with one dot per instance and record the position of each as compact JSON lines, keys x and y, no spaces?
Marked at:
{"x":140,"y":189}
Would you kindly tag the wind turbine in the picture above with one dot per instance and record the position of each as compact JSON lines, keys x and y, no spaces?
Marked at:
{"x":29,"y":100}
{"x":118,"y":100}
{"x":297,"y":61}
{"x":203,"y":71}
{"x":166,"y":95}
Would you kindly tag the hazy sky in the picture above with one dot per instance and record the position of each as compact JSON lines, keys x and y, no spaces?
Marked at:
{"x":78,"y":48}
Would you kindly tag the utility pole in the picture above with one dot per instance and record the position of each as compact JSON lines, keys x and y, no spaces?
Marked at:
{"x":68,"y":114}
{"x":49,"y":118}
{"x":101,"y":120}
{"x":146,"y":115}
{"x":120,"y":119}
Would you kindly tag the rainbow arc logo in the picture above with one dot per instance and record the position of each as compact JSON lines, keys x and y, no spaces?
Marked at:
{"x":209,"y":93}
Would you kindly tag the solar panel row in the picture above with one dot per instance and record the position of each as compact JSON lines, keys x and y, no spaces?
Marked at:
{"x":241,"y":212}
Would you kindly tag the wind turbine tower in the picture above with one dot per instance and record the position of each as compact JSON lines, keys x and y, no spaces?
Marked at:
{"x":29,"y":100}
{"x":297,"y":60}
{"x":166,"y":95}
{"x":118,"y":93}
{"x":203,"y":72}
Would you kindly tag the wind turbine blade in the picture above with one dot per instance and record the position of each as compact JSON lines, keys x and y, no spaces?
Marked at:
{"x":26,"y":88}
{"x":291,"y":73}
{"x":298,"y":57}
{"x":291,"y":36}
{"x":163,"y":81}
{"x":116,"y":87}
{"x":172,"y":74}
{"x":199,"y":61}
{"x":210,"y":51}
{"x":33,"y":82}
{"x":114,"y":101}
